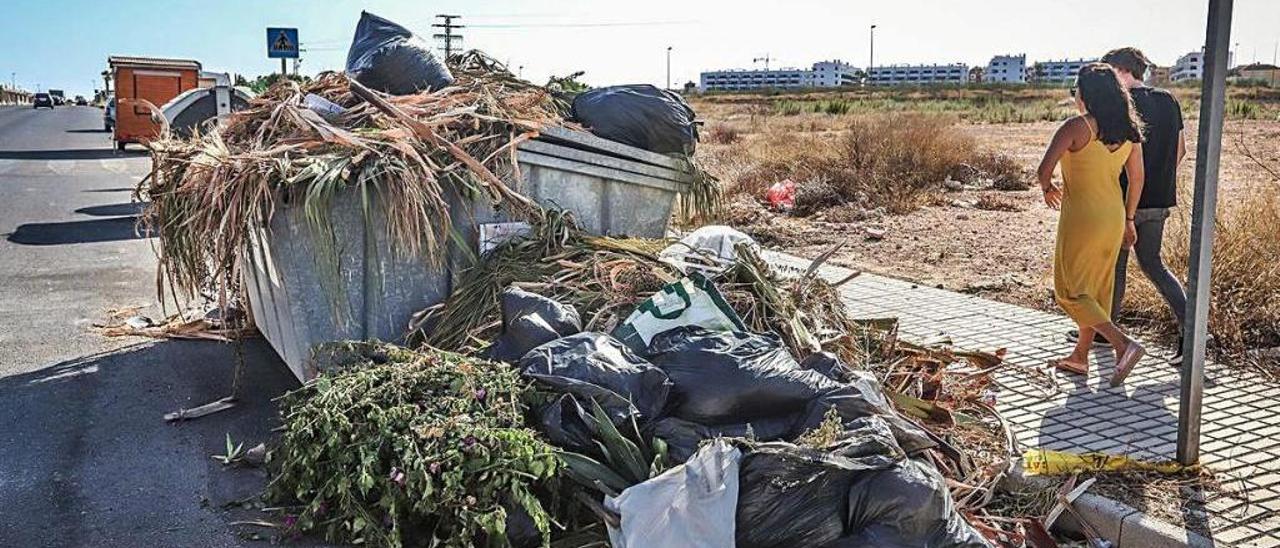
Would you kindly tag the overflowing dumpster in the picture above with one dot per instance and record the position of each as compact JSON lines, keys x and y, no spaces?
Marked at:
{"x":610,"y":188}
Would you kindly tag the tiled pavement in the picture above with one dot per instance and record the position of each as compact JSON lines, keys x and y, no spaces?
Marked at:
{"x":1241,"y":429}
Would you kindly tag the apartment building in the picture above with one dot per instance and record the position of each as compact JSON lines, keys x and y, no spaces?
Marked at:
{"x":833,"y":73}
{"x":1058,"y":72}
{"x":1006,"y":68}
{"x":900,"y":75}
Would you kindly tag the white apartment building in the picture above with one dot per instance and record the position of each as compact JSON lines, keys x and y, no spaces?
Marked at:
{"x":1006,"y":68}
{"x":897,"y":75}
{"x":834,"y":73}
{"x":1058,"y":72}
{"x":1191,"y":66}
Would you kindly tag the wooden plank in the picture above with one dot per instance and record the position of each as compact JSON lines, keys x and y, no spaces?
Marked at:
{"x":533,"y":158}
{"x":581,"y":139}
{"x":579,"y":155}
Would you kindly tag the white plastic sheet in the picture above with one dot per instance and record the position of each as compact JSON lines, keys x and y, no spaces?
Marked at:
{"x":690,"y":506}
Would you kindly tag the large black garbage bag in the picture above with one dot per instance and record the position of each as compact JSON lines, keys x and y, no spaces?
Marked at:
{"x":791,"y":496}
{"x":728,"y":377}
{"x":904,"y":507}
{"x":530,"y":320}
{"x":683,"y":437}
{"x":390,"y":58}
{"x":828,"y":364}
{"x":588,"y":366}
{"x":860,"y":397}
{"x":639,"y":115}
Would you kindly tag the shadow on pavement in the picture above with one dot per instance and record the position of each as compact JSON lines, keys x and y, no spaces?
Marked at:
{"x":70,"y":154}
{"x":90,"y":461}
{"x":113,"y":210}
{"x":90,"y":130}
{"x":78,"y":232}
{"x":120,"y":189}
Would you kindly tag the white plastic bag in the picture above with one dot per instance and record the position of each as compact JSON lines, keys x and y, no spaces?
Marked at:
{"x":690,"y":506}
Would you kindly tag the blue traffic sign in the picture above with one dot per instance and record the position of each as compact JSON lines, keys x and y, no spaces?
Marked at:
{"x":282,"y":43}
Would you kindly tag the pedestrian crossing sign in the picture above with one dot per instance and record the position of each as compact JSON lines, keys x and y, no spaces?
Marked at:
{"x":282,"y":43}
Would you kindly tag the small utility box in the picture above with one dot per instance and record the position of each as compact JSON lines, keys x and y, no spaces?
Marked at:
{"x":611,"y":188}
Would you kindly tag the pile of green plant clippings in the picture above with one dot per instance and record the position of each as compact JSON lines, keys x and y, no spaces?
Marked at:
{"x":422,"y":448}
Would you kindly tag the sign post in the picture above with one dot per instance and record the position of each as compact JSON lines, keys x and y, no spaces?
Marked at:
{"x":282,"y":44}
{"x":1208,"y":150}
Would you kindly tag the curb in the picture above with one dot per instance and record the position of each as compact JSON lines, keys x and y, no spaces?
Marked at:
{"x":1123,"y":525}
{"x":1126,"y":526}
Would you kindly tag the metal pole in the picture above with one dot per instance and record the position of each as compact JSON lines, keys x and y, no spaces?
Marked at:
{"x":1208,"y":151}
{"x":284,"y":72}
{"x":871,"y":61}
{"x":668,"y":67}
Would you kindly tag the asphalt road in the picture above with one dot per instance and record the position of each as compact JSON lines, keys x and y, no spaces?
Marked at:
{"x":85,"y":457}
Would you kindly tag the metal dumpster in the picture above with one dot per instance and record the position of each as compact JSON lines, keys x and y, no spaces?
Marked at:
{"x":297,"y":301}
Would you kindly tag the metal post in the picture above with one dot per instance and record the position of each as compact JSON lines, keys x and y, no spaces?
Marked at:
{"x":668,"y":67}
{"x":1208,"y":150}
{"x":871,"y":61}
{"x":283,"y":70}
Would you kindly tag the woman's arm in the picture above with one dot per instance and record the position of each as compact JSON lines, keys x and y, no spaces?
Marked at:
{"x":1134,"y":171}
{"x":1059,"y":146}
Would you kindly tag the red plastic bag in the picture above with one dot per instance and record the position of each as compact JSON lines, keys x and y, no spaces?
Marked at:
{"x":782,"y":195}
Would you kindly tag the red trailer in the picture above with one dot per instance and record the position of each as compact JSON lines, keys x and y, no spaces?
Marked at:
{"x":144,"y":82}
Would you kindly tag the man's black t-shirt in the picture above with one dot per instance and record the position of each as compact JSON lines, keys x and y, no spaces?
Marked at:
{"x":1162,"y":115}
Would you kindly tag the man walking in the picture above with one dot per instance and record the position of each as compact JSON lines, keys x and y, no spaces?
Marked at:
{"x":1163,"y":150}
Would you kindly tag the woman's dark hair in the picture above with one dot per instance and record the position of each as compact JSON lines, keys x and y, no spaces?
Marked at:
{"x":1109,"y":103}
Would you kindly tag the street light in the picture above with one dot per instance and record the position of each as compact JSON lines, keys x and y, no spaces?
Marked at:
{"x":872,"y":61}
{"x":668,"y":67}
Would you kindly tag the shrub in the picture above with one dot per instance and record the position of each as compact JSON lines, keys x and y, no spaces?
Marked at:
{"x":721,"y":134}
{"x":405,"y":447}
{"x":1244,"y":311}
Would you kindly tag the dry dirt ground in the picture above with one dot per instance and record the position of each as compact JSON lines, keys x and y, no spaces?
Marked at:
{"x":998,"y":244}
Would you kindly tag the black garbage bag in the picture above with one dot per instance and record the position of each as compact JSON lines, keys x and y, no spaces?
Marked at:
{"x":390,"y":58}
{"x":683,"y":437}
{"x":791,"y":496}
{"x":828,"y":364}
{"x":729,"y":377}
{"x":593,"y":366}
{"x":639,"y":115}
{"x":530,"y":320}
{"x":860,"y":397}
{"x":904,"y":507}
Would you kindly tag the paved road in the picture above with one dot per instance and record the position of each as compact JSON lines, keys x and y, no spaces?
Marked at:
{"x":85,"y":458}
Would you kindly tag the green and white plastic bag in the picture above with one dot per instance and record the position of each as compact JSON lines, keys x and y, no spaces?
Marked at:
{"x":692,"y":300}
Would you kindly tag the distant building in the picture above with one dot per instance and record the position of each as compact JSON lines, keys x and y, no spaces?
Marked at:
{"x":823,"y":74}
{"x":1260,"y":72}
{"x":899,"y":75}
{"x":1158,"y":76}
{"x":1058,"y":72}
{"x":1006,"y":68}
{"x":1191,"y":66}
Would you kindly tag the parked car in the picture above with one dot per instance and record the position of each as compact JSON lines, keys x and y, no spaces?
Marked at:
{"x":109,"y":115}
{"x":42,"y":100}
{"x":81,"y":101}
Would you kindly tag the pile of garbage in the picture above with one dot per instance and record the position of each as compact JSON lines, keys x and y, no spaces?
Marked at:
{"x":572,"y":388}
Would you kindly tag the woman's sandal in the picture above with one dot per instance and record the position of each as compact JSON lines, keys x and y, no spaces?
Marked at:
{"x":1070,"y":366}
{"x":1124,"y":365}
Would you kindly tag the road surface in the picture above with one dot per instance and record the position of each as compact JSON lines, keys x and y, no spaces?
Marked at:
{"x":85,"y":457}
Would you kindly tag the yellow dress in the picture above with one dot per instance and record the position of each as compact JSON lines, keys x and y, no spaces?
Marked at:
{"x":1090,"y":231}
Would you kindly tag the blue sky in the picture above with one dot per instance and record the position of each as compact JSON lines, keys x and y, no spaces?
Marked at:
{"x":65,"y":44}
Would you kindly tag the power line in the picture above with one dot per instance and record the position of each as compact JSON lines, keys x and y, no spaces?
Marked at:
{"x":581,"y":25}
{"x":448,"y":37}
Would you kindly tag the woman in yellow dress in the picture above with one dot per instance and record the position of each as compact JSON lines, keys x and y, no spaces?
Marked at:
{"x":1096,"y":218}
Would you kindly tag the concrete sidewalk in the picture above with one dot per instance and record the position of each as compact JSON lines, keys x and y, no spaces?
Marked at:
{"x":1241,"y":431}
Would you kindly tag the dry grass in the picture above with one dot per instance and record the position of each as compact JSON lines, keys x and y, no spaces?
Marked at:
{"x":1245,"y":309}
{"x":887,"y":161}
{"x":992,"y":202}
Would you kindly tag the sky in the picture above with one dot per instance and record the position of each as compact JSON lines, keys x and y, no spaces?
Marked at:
{"x":66,"y":47}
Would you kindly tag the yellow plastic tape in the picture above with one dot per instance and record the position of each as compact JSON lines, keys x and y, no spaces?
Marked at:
{"x":1045,"y":462}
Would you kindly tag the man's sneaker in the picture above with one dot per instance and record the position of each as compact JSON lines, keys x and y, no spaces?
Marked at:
{"x":1098,"y":340}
